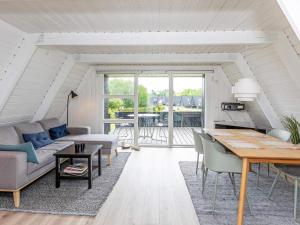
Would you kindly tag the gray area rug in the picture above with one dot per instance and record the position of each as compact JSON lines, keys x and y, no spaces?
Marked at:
{"x":73,"y":197}
{"x":278,"y":211}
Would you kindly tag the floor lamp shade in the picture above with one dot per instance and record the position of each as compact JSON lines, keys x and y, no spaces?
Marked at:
{"x":246,"y":90}
{"x":72,"y":94}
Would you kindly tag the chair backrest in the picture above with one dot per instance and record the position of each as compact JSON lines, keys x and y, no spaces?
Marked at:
{"x":216,"y":159}
{"x":212,"y":153}
{"x":198,"y":142}
{"x":283,"y":135}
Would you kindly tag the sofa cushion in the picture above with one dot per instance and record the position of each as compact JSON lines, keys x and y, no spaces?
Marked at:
{"x":25,"y":147}
{"x":58,"y":132}
{"x":9,"y":136}
{"x":28,"y":128}
{"x":47,"y":124}
{"x":45,"y":157}
{"x":57,"y":145}
{"x":38,"y":139}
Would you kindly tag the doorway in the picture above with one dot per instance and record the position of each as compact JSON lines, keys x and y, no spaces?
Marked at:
{"x":153,"y":109}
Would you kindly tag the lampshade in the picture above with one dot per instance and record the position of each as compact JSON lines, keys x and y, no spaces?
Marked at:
{"x":246,"y":89}
{"x":73,"y":94}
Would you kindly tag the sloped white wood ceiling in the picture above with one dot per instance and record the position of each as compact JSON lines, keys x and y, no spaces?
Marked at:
{"x":32,"y":87}
{"x":71,"y":83}
{"x":136,"y":16}
{"x":294,"y":42}
{"x":10,"y":39}
{"x":142,"y":15}
{"x":275,"y":80}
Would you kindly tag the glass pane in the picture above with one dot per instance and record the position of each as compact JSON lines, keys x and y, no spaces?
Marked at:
{"x":125,"y":131}
{"x":123,"y":85}
{"x":118,"y":108}
{"x":153,"y":95}
{"x":187,"y":108}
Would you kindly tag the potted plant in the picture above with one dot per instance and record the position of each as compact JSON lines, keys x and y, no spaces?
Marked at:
{"x":292,"y":125}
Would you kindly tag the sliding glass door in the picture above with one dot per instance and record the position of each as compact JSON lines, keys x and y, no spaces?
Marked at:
{"x":156,"y":109}
{"x":119,"y":106}
{"x":188,"y":99}
{"x":153,"y":92}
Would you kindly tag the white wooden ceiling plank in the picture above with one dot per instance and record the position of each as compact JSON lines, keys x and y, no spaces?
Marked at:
{"x":134,"y":16}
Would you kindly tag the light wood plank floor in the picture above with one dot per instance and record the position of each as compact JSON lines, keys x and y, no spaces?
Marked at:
{"x":151,"y":191}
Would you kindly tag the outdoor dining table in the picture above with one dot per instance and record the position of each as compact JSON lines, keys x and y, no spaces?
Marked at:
{"x":144,"y":120}
{"x":254,"y":147}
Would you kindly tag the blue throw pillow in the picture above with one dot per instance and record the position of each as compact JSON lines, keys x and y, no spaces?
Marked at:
{"x":26,"y":147}
{"x":38,"y":140}
{"x":58,"y":132}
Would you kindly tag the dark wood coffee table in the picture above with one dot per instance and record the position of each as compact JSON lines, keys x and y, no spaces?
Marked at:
{"x":71,"y":153}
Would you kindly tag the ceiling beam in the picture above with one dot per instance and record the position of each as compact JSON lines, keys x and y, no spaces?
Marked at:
{"x":16,"y":67}
{"x":262,"y":99}
{"x":155,"y":58}
{"x":54,"y":88}
{"x":157,"y":38}
{"x":157,"y":68}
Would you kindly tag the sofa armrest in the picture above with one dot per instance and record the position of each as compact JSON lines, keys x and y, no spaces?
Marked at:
{"x":79,"y":130}
{"x":13,"y":169}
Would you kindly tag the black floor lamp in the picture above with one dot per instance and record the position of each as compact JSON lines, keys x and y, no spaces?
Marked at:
{"x":73,"y":95}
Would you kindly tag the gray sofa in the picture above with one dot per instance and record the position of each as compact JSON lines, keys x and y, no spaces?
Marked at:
{"x":82,"y":135}
{"x":16,"y":172}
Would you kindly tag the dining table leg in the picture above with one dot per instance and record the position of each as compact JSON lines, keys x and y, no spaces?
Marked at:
{"x":243,"y":190}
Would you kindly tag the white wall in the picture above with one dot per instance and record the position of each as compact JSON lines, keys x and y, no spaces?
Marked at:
{"x":218,"y":90}
{"x":255,"y":112}
{"x":85,"y":110}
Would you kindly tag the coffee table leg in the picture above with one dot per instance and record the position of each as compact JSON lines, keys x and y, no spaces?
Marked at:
{"x":90,"y":171}
{"x":57,"y":170}
{"x":99,"y":162}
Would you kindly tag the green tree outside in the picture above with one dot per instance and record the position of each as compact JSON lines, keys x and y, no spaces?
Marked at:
{"x":126,"y":87}
{"x":190,"y":92}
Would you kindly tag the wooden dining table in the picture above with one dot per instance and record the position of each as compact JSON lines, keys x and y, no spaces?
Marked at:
{"x":254,"y":147}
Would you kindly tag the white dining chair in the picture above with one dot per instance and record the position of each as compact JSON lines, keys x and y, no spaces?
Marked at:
{"x":217,"y":160}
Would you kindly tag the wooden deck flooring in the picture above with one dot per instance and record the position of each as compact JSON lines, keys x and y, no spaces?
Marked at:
{"x":157,"y":136}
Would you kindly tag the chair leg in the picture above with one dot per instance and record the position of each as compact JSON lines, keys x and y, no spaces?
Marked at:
{"x":268,"y":169}
{"x":198,"y":154}
{"x":204,"y":180}
{"x":203,"y":173}
{"x":231,"y":177}
{"x":215,"y":192}
{"x":286,"y":179}
{"x":295,"y":198}
{"x":273,"y":185}
{"x":116,"y":151}
{"x":109,"y":159}
{"x":257,"y":175}
{"x":248,"y":203}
